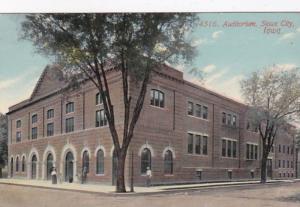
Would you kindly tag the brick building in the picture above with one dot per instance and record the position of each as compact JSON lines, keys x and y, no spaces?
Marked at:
{"x":185,"y":133}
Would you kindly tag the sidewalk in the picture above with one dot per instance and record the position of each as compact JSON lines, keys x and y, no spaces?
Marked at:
{"x":110,"y":190}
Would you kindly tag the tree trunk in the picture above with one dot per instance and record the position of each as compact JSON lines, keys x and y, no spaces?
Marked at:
{"x":1,"y":172}
{"x":263,"y":172}
{"x":120,"y":187}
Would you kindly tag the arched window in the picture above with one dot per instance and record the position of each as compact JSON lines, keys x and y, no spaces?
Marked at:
{"x":145,"y":160}
{"x":168,"y":162}
{"x":69,"y":167}
{"x":100,"y":162}
{"x":85,"y":161}
{"x":157,"y":98}
{"x":33,"y":167}
{"x":23,"y":164}
{"x":49,"y":165}
{"x":17,"y":164}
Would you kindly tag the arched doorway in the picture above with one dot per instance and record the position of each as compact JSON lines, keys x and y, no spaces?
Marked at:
{"x":33,"y":167}
{"x":69,"y":167}
{"x":114,"y":168}
{"x":11,"y":167}
{"x":49,"y":165}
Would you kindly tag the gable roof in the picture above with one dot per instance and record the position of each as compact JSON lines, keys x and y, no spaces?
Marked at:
{"x":49,"y":81}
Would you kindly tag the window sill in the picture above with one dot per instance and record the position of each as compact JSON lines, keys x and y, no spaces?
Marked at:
{"x":100,"y":175}
{"x":70,"y":113}
{"x":157,"y":107}
{"x":169,"y":175}
{"x":197,"y":155}
{"x":234,"y":158}
{"x":196,"y":117}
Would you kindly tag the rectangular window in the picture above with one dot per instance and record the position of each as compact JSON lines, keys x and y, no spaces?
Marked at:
{"x":205,"y":112}
{"x":234,"y":120}
{"x":18,"y":137}
{"x":279,"y":148}
{"x":197,"y":144}
{"x":283,"y":163}
{"x":228,"y":119}
{"x":229,"y":149}
{"x":252,"y":151}
{"x":34,"y":133}
{"x":103,"y":119}
{"x":50,"y":113}
{"x":34,"y":118}
{"x":157,"y":98}
{"x":255,"y":152}
{"x":283,"y":148}
{"x":99,"y":99}
{"x":288,"y":150}
{"x":224,"y":118}
{"x":70,"y":107}
{"x":198,"y":110}
{"x":50,"y":129}
{"x":223,"y":147}
{"x":190,"y":108}
{"x":248,"y":151}
{"x":279,"y":164}
{"x":70,"y":125}
{"x":204,"y":141}
{"x":190,"y":143}
{"x":288,"y":164}
{"x":233,"y":149}
{"x":19,"y":123}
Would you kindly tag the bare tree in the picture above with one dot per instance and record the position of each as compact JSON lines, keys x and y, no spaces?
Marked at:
{"x":273,"y":96}
{"x":3,"y":142}
{"x":133,"y":44}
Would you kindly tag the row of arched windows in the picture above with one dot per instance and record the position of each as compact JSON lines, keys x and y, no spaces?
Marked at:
{"x":146,"y":162}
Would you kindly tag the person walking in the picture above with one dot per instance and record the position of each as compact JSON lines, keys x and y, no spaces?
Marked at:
{"x":149,"y":175}
{"x":54,"y":176}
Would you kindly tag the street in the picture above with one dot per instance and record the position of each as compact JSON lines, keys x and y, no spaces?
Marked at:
{"x":284,"y":194}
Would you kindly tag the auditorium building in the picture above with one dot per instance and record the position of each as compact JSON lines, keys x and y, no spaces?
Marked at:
{"x":185,"y":134}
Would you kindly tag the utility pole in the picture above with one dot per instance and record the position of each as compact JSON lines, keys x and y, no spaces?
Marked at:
{"x":131,"y":183}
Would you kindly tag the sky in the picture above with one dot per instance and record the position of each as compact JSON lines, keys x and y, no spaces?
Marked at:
{"x":230,"y":46}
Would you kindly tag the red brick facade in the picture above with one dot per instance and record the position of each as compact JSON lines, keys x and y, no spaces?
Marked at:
{"x":159,"y":129}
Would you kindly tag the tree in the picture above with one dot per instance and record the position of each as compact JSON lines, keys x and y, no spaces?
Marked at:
{"x":3,"y":142}
{"x":273,"y":96}
{"x":132,"y":44}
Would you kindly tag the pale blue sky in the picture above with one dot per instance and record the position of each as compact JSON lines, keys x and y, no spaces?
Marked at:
{"x":226,"y":55}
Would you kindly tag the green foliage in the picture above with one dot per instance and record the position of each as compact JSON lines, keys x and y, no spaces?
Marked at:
{"x":3,"y":140}
{"x":138,"y":40}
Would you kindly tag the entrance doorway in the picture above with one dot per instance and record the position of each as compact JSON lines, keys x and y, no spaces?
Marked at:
{"x":114,"y":168}
{"x":69,"y":167}
{"x":33,"y":167}
{"x":269,"y":168}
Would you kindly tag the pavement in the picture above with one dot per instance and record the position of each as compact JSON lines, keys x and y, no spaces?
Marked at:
{"x":278,"y":194}
{"x":109,"y":190}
